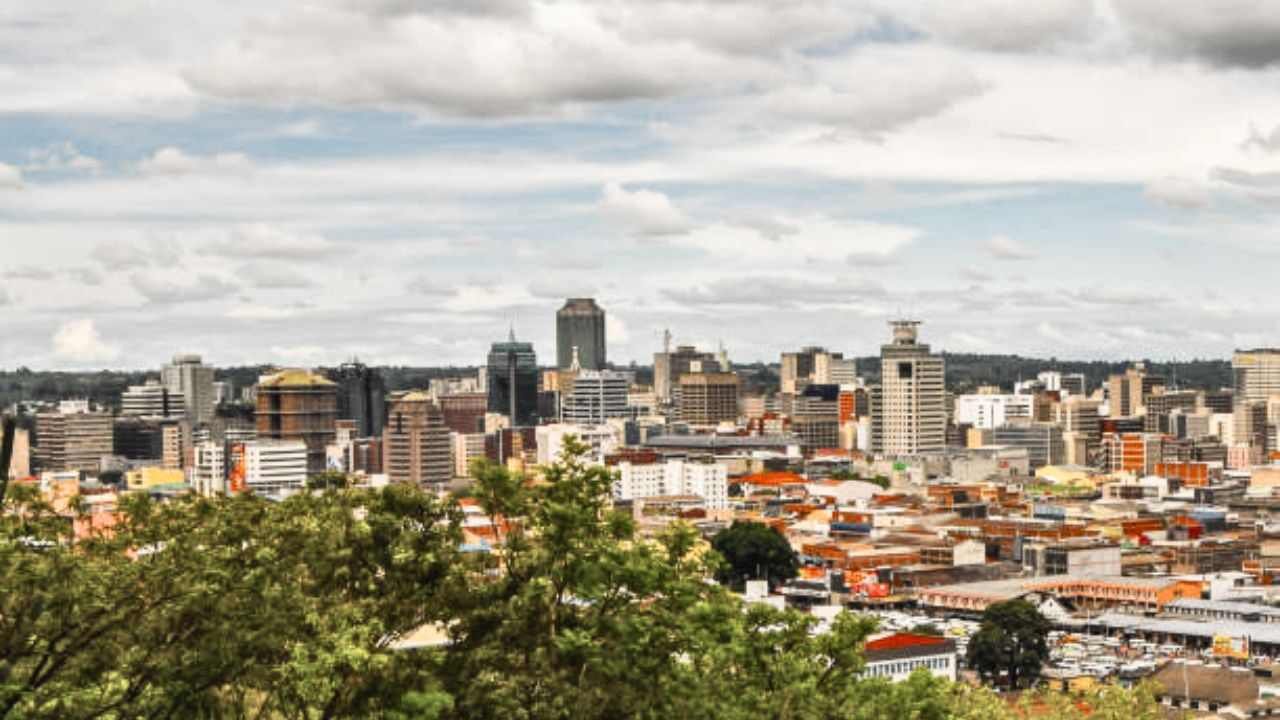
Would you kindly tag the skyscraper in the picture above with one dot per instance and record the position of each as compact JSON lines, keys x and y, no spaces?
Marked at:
{"x":910,"y":409}
{"x":597,"y":395}
{"x":668,"y":366}
{"x":416,"y":446}
{"x":1257,"y":380}
{"x":513,"y":381}
{"x":708,"y":398}
{"x":73,"y":441}
{"x":190,"y":377}
{"x":580,"y":324}
{"x":361,"y":397}
{"x":299,"y":405}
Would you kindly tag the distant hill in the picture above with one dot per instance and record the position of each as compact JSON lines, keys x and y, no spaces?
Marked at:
{"x":966,"y":371}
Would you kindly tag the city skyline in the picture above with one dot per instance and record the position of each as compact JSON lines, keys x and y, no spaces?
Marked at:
{"x":1074,"y":178}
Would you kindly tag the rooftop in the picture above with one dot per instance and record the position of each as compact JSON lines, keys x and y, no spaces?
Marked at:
{"x":295,"y":377}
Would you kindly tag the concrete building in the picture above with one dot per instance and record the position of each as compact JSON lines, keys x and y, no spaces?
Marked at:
{"x":1084,"y":558}
{"x":20,"y":464}
{"x":581,"y":324}
{"x":137,"y":438}
{"x":1127,"y":392}
{"x":73,"y":441}
{"x":1043,"y":441}
{"x":416,"y":446}
{"x":708,"y":398}
{"x":1257,"y":380}
{"x":463,"y":411}
{"x":209,"y":470}
{"x":467,"y":448}
{"x":909,"y":412}
{"x":652,"y":477}
{"x":985,"y":412}
{"x":669,"y":366}
{"x":362,"y":397}
{"x":189,"y":377}
{"x":271,"y":467}
{"x":601,"y":439}
{"x":895,"y":657}
{"x":815,"y":417}
{"x":152,"y":400}
{"x":301,"y":405}
{"x":513,"y":381}
{"x":597,"y":396}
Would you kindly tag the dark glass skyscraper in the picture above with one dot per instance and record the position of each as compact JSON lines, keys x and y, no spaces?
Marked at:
{"x":362,"y":396}
{"x":513,"y":381}
{"x":580,"y":324}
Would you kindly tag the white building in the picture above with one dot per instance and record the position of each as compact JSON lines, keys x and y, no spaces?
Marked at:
{"x":986,"y":412}
{"x":152,"y":400}
{"x":275,"y":467}
{"x":704,"y":478}
{"x":894,"y":657}
{"x":909,"y":409}
{"x":602,"y":439}
{"x":467,"y":448}
{"x":597,"y":395}
{"x":209,"y":473}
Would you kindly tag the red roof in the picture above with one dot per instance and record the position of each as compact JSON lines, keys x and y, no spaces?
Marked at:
{"x":897,"y":641}
{"x":773,"y":478}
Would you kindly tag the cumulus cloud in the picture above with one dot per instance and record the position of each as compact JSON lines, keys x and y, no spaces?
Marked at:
{"x":644,"y":212}
{"x":269,"y":242}
{"x":161,"y":290}
{"x":1233,"y":33}
{"x":774,"y":291}
{"x":265,"y":276}
{"x":1006,"y":248}
{"x":78,"y":341}
{"x":61,"y":157}
{"x":10,"y":177}
{"x":1266,"y":142}
{"x":30,"y":272}
{"x":998,"y":24}
{"x":1177,"y":192}
{"x":172,"y":161}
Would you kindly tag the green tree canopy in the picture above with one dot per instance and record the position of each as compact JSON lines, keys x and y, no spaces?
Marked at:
{"x":753,"y":551}
{"x":1010,"y":646}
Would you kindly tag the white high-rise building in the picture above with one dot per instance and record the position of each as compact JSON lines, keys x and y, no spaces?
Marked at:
{"x":275,"y":467}
{"x":209,"y":474}
{"x":706,"y":479}
{"x":189,"y":376}
{"x":152,"y":399}
{"x":909,"y":409}
{"x":986,"y":412}
{"x":1257,"y":380}
{"x":597,"y":396}
{"x":602,"y":439}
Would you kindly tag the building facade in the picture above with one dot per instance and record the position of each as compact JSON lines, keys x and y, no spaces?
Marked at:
{"x":189,"y":377}
{"x":73,"y":441}
{"x":708,"y":398}
{"x":597,"y":396}
{"x":152,"y":400}
{"x":362,"y":397}
{"x":909,"y":411}
{"x":581,"y":324}
{"x":654,"y":477}
{"x":299,"y":405}
{"x":513,"y":381}
{"x":416,"y":447}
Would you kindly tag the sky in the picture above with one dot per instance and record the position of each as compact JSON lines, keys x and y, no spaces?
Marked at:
{"x":301,"y":183}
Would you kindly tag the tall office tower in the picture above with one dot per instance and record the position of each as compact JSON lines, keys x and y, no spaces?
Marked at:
{"x":362,"y":397}
{"x":597,"y":395}
{"x":1079,"y":416}
{"x":1043,"y":441}
{"x":1127,"y":392}
{"x":298,"y":405}
{"x":912,"y":403}
{"x":815,"y":416}
{"x":1257,"y":379}
{"x":415,"y":443}
{"x":669,"y":366}
{"x":798,"y":368}
{"x":189,"y":376}
{"x":835,"y":369}
{"x":513,"y":381}
{"x":708,"y":398}
{"x":73,"y":441}
{"x":1161,"y":404}
{"x":152,"y":400}
{"x":138,"y":438}
{"x":580,"y":324}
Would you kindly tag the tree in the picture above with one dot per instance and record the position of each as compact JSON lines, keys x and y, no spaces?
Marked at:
{"x":1010,"y":646}
{"x":752,"y":550}
{"x":328,"y":480}
{"x":927,"y":629}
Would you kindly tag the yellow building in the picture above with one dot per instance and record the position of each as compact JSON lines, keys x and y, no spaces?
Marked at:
{"x":149,"y":477}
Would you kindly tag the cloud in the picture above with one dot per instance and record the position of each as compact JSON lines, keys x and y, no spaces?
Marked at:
{"x":1006,"y":248}
{"x":871,"y":259}
{"x":998,"y":24}
{"x":122,"y":255}
{"x":269,"y":242}
{"x":61,"y":157}
{"x":1178,"y":193}
{"x":172,"y":161}
{"x":30,"y":272}
{"x":10,"y":177}
{"x":161,"y":290}
{"x":78,"y":341}
{"x":1266,"y":142}
{"x":1234,"y":33}
{"x":770,"y":228}
{"x":265,"y":276}
{"x":643,"y":212}
{"x":774,"y":291}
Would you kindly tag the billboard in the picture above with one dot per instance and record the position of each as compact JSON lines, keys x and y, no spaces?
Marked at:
{"x":1230,"y":646}
{"x":235,"y":469}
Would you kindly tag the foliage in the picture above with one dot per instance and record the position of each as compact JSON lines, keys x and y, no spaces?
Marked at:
{"x":927,"y":629}
{"x":241,"y":607}
{"x":328,"y":480}
{"x":752,"y":550}
{"x":1010,"y":646}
